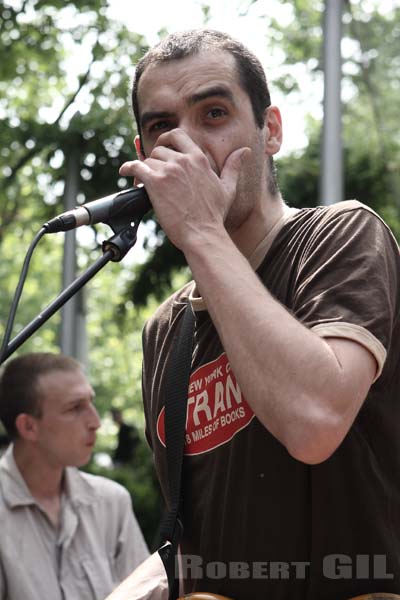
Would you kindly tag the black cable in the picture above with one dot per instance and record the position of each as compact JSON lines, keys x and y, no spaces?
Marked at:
{"x":18,"y":292}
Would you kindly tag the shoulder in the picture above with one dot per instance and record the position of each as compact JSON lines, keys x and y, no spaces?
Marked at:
{"x":339,"y":226}
{"x":102,"y":484}
{"x":346,"y":209}
{"x":353,"y":220}
{"x":353,"y":206}
{"x":166,"y":314}
{"x":351,"y":212}
{"x":101,"y":489}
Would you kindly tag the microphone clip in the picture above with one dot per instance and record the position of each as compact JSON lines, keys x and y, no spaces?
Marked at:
{"x":124,"y":239}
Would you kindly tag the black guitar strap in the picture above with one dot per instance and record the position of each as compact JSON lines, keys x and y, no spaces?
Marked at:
{"x":176,"y":394}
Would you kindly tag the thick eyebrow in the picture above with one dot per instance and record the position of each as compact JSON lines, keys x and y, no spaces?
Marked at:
{"x":216,"y":90}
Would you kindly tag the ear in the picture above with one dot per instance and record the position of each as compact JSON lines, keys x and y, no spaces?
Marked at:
{"x":138,"y":148}
{"x":273,"y":125}
{"x":26,"y":426}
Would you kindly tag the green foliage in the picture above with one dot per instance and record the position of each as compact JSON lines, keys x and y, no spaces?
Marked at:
{"x":300,"y":40}
{"x":371,"y":75}
{"x":40,"y":288}
{"x":154,"y":279}
{"x":372,"y":68}
{"x":48,"y":111}
{"x":52,"y":110}
{"x":115,"y":344}
{"x":299,"y":176}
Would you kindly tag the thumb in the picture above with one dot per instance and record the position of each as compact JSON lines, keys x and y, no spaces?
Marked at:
{"x":232,"y":167}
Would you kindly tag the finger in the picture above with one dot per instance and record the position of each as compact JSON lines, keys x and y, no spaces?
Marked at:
{"x":232,"y":167}
{"x":137,"y":168}
{"x":178,"y":140}
{"x":142,"y":171}
{"x":127,"y":169}
{"x":163,"y":153}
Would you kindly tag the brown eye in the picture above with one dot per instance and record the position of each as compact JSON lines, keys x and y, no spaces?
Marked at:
{"x":215,"y":113}
{"x":158,"y":126}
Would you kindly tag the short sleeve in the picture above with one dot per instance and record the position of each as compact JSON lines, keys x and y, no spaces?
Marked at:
{"x":347,"y":283}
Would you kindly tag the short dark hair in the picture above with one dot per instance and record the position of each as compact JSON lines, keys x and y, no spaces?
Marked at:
{"x":183,"y":44}
{"x":19,"y":385}
{"x":187,"y":43}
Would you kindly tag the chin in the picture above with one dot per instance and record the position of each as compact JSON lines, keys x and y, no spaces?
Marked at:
{"x":81,"y":461}
{"x":86,"y":460}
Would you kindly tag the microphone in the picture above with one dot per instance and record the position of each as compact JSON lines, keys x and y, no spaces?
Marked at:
{"x":129,"y":205}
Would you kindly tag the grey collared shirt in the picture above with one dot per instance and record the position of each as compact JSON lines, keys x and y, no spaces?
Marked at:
{"x":97,"y":545}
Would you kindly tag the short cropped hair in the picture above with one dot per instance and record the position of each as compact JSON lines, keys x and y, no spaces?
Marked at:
{"x":184,"y":44}
{"x":19,"y":385}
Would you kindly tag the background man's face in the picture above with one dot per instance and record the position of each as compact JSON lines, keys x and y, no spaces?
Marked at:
{"x":66,"y":429}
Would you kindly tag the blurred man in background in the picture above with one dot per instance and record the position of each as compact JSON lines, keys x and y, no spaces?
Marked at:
{"x":127,"y":439}
{"x":65,"y":534}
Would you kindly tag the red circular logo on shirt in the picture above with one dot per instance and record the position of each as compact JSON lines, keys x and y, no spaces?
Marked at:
{"x":216,"y":408}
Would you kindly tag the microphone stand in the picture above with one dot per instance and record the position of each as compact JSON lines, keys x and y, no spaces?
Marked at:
{"x":114,"y":249}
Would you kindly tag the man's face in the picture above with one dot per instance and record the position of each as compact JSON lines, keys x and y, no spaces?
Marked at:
{"x":66,"y":429}
{"x":201,"y":94}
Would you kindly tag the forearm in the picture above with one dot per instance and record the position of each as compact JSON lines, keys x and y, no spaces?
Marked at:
{"x":132,"y":547}
{"x":147,"y":582}
{"x":290,"y":377}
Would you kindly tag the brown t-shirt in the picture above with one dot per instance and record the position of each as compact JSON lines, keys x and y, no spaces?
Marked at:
{"x":258,"y":523}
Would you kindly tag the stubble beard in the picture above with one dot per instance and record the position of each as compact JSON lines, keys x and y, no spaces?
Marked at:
{"x":252,"y":182}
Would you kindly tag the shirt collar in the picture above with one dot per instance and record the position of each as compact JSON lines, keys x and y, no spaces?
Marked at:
{"x":77,"y":489}
{"x":15,"y":491}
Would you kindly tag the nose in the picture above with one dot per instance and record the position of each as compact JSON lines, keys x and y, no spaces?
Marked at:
{"x":199,"y":137}
{"x":191,"y":129}
{"x":93,"y":419}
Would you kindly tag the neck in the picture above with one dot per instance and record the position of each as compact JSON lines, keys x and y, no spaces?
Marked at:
{"x":260,"y":222}
{"x":44,"y":480}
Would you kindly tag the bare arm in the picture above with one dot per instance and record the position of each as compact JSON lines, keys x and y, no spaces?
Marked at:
{"x":147,"y":582}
